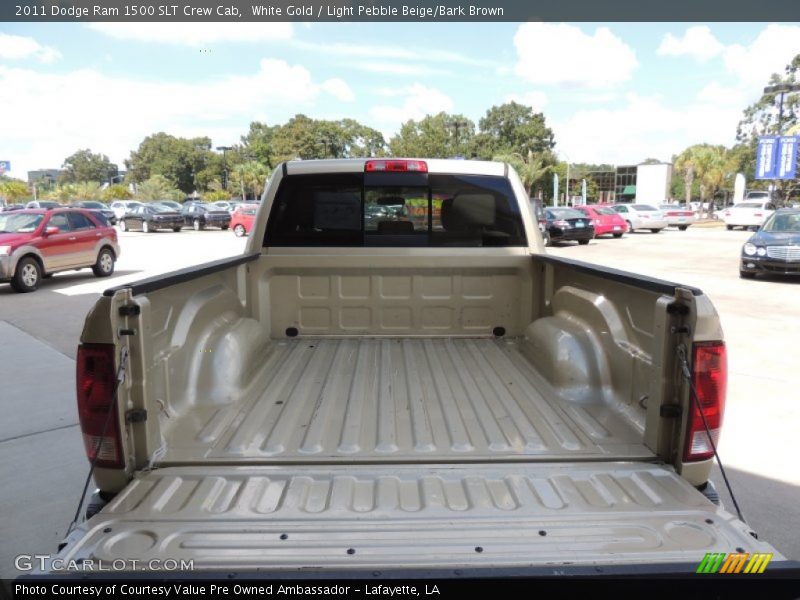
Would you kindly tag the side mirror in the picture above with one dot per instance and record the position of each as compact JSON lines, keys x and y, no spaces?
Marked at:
{"x":51,"y":230}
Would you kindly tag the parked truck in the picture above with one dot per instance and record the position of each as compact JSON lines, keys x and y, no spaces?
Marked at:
{"x":392,"y":393}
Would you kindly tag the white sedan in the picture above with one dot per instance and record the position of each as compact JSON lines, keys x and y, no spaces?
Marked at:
{"x":641,"y":216}
{"x":747,"y":214}
{"x":677,"y":216}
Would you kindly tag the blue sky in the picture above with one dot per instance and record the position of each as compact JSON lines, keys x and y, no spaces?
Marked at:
{"x":616,"y":93}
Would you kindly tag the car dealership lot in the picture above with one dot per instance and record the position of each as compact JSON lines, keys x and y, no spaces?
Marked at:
{"x":40,"y":330}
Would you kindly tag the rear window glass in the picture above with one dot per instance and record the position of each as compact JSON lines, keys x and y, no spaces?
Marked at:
{"x":605,"y":211}
{"x":749,"y":205}
{"x":567,"y":213}
{"x":437,"y":210}
{"x":643,"y":207}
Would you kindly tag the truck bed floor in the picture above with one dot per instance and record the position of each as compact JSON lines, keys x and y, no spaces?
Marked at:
{"x":402,"y":399}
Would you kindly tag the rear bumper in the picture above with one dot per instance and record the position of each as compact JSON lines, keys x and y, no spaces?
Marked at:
{"x":167,"y":224}
{"x":557,"y":235}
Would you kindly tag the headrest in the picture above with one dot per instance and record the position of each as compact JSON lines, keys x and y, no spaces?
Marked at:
{"x":468,"y":211}
{"x":396,"y":227}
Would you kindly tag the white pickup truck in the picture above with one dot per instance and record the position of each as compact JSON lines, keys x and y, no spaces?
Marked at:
{"x":395,"y":375}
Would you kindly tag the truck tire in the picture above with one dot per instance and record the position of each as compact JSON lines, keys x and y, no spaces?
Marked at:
{"x":105,"y":263}
{"x":27,"y":276}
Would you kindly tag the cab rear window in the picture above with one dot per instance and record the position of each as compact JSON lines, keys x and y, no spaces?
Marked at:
{"x":395,"y":210}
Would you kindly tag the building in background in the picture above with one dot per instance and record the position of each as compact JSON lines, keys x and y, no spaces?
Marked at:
{"x":46,"y":176}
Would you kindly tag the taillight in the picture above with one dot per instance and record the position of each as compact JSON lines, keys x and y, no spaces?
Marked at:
{"x":397,"y":166}
{"x":561,"y":224}
{"x":710,"y":377}
{"x":758,"y":215}
{"x":96,"y":378}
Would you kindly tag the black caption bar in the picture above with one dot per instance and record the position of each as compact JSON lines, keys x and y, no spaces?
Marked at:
{"x":775,"y":586}
{"x":398,"y":10}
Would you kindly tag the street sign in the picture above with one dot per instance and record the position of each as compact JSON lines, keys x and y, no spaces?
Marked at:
{"x":787,"y":157}
{"x":766,"y":167}
{"x":5,"y":165}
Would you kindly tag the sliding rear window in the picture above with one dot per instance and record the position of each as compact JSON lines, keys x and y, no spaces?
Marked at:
{"x":395,"y":210}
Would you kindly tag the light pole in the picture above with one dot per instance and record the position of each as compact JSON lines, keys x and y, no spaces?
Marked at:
{"x":224,"y":150}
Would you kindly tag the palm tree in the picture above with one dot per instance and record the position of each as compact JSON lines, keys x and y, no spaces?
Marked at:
{"x":530,"y":170}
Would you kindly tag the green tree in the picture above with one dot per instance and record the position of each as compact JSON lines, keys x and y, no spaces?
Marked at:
{"x":84,"y":165}
{"x":87,"y":190}
{"x":157,"y":187}
{"x":178,"y":160}
{"x":117,"y":191}
{"x":216,"y":195}
{"x":12,"y":190}
{"x":436,"y":136}
{"x":533,"y":170}
{"x":512,"y":127}
{"x":249,"y":177}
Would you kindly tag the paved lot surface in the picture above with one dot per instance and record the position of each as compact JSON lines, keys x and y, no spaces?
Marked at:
{"x":760,"y":444}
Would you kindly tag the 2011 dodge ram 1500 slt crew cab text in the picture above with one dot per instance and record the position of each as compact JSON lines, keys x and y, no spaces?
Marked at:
{"x":396,"y":375}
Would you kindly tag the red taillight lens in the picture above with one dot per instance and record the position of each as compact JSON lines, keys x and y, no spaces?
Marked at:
{"x":396,"y":166}
{"x":758,"y":215}
{"x":95,"y":378}
{"x":710,"y":376}
{"x":672,"y":213}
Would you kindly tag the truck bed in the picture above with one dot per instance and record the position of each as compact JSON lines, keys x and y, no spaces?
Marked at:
{"x":401,"y":400}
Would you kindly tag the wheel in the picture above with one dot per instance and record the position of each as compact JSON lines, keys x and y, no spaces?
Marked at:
{"x":176,"y":229}
{"x":122,"y":226}
{"x":27,"y":276}
{"x":746,"y":275}
{"x":105,"y":263}
{"x":546,"y":239}
{"x":617,"y":235}
{"x":225,"y":227}
{"x":630,"y":226}
{"x":196,"y":225}
{"x":583,"y":242}
{"x":146,"y":227}
{"x":239,"y":230}
{"x":655,"y":230}
{"x":729,"y":227}
{"x":683,"y":227}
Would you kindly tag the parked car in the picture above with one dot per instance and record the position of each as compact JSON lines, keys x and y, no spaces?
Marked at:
{"x":605,"y":220}
{"x":775,"y":247}
{"x":121,"y":207}
{"x":242,"y":219}
{"x":677,"y":216}
{"x":35,"y":243}
{"x":747,"y":214}
{"x":10,"y":207}
{"x":42,"y":204}
{"x":200,"y":216}
{"x":641,"y":216}
{"x":565,"y":224}
{"x":170,"y":203}
{"x":229,"y":205}
{"x":99,"y":208}
{"x":151,"y":218}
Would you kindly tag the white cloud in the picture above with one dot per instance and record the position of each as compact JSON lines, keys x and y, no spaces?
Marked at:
{"x":113,"y":114}
{"x":339,"y":90}
{"x":535,"y":99}
{"x":426,"y":55}
{"x":195,"y":34}
{"x":418,"y":101}
{"x":394,"y":68}
{"x":15,"y":47}
{"x":643,"y":127}
{"x":550,"y":53}
{"x":769,"y":53}
{"x":697,"y":42}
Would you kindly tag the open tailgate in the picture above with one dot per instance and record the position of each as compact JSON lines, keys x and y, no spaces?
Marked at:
{"x":394,"y":517}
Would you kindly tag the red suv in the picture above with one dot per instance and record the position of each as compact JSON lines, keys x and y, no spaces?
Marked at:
{"x":36,"y":243}
{"x":242,"y":219}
